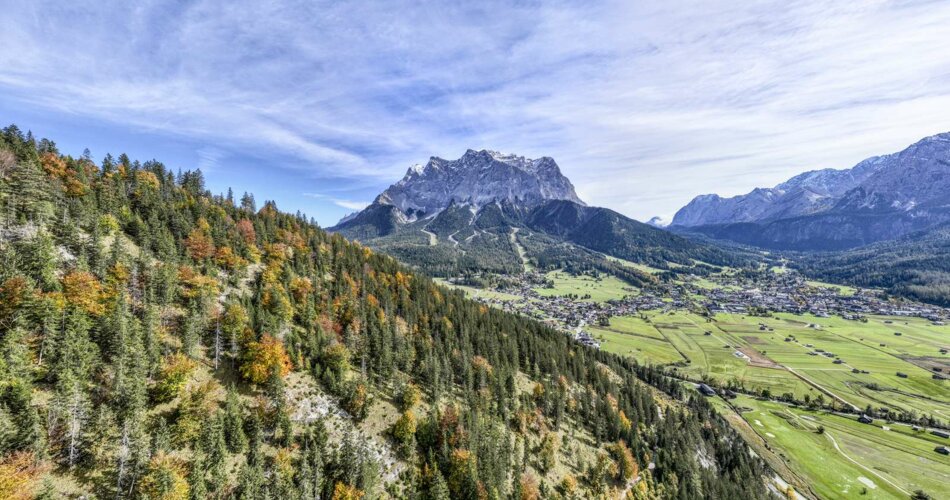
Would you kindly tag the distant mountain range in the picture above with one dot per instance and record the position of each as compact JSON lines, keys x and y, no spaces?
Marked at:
{"x":881,"y":198}
{"x":493,"y":211}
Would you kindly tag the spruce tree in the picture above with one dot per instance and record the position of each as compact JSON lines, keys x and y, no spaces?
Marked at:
{"x":29,"y":194}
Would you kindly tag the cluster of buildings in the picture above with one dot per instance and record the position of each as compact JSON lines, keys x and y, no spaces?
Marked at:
{"x":790,"y":293}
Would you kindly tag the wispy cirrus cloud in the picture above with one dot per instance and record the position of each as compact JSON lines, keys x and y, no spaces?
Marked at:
{"x":644,"y":104}
{"x":347,"y":204}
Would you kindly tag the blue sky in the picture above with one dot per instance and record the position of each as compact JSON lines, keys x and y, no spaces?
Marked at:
{"x":321,"y":105}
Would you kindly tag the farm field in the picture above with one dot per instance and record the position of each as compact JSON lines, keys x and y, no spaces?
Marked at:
{"x":600,"y":289}
{"x":645,"y":349}
{"x":850,"y":459}
{"x":759,"y":357}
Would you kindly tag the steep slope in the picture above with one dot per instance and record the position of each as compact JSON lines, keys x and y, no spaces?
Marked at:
{"x":881,"y":198}
{"x":161,"y":342}
{"x":614,"y":234}
{"x":455,"y":217}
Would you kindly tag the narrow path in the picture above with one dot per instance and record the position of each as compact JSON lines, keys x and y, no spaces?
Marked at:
{"x":819,"y":387}
{"x":518,"y":248}
{"x":859,"y":464}
{"x":433,"y":239}
{"x":453,"y":240}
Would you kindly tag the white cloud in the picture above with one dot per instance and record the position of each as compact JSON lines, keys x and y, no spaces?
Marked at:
{"x":644,"y":105}
{"x":209,"y":158}
{"x":342,"y":203}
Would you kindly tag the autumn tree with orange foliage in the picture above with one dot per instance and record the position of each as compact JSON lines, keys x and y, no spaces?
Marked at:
{"x":13,"y":293}
{"x":83,"y":290}
{"x":195,"y":286}
{"x":528,"y":486}
{"x":246,"y":229}
{"x":227,"y":259}
{"x":199,"y":243}
{"x":20,"y":474}
{"x":342,"y":491}
{"x":261,"y":357}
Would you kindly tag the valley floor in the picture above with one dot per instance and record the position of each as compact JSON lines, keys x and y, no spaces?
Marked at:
{"x":789,"y":370}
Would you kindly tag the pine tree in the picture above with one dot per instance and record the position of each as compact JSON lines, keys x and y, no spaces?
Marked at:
{"x":234,"y":422}
{"x":40,"y":260}
{"x":197,"y":487}
{"x":438,"y":489}
{"x":214,"y":451}
{"x":29,"y":194}
{"x":247,"y":202}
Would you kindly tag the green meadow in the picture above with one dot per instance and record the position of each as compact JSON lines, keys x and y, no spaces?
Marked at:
{"x":849,"y":459}
{"x":704,"y":347}
{"x":602,"y":288}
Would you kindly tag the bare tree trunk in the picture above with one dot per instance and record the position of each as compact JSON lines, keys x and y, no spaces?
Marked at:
{"x":217,"y":341}
{"x":75,"y":427}
{"x":123,"y":456}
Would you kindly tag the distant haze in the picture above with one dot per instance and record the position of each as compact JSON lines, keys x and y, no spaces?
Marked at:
{"x":322,"y":105}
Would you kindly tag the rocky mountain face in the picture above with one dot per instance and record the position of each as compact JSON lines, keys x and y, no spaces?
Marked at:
{"x":477,"y":179}
{"x":881,"y":198}
{"x":482,"y":188}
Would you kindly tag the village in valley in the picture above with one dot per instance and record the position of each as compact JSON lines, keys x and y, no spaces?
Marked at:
{"x":780,"y":291}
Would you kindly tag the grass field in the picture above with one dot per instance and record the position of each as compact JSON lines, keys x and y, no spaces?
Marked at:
{"x":635,"y":337}
{"x":759,"y":357}
{"x":600,"y":289}
{"x":842,"y":289}
{"x":850,"y":459}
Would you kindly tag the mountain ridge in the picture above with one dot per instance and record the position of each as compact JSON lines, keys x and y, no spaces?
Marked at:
{"x":429,"y":216}
{"x":880,"y":198}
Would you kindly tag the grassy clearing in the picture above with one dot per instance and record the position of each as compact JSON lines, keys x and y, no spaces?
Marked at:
{"x":640,"y":267}
{"x":842,"y":289}
{"x":599,"y":289}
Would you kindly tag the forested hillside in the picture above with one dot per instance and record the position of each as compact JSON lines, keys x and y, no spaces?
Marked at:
{"x":916,"y":266}
{"x":161,"y":342}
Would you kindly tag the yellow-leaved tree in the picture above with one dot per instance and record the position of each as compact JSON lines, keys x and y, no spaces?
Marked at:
{"x":261,"y":357}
